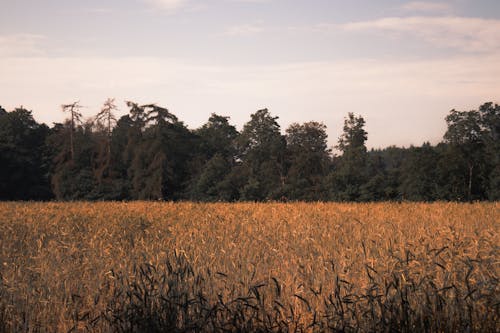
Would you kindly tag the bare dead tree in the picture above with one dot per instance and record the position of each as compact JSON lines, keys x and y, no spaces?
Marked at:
{"x":75,"y":117}
{"x":107,"y":117}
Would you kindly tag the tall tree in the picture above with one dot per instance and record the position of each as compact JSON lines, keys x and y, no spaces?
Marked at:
{"x":218,"y":136}
{"x":214,"y":162}
{"x":162,"y":147}
{"x":23,"y":168}
{"x":137,"y":114}
{"x":104,"y":122}
{"x":108,"y":119}
{"x":354,"y":136}
{"x":490,"y":121}
{"x":75,"y":118}
{"x":132,"y":125}
{"x":158,"y":116}
{"x":308,"y":159}
{"x":350,"y":171}
{"x":261,"y":149}
{"x":466,"y":140}
{"x":73,"y":172}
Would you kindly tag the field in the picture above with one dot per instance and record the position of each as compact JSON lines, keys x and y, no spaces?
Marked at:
{"x":146,"y":267}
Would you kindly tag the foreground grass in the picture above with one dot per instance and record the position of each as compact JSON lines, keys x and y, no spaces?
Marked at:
{"x":143,"y":267}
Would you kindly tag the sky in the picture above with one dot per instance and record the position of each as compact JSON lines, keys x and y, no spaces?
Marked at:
{"x":402,"y":65}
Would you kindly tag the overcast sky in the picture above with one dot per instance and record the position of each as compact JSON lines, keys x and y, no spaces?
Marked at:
{"x":402,"y":65}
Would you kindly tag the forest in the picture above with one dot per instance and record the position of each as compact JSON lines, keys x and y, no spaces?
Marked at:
{"x":149,"y":154}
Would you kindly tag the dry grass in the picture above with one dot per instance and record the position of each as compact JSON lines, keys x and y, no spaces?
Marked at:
{"x":249,"y":267}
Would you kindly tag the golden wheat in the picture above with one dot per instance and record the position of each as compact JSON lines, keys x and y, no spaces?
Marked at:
{"x":60,"y":261}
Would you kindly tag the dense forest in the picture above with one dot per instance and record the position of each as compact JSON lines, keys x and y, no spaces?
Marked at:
{"x":150,"y":154}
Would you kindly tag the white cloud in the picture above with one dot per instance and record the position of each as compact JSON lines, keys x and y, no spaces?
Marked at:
{"x":426,"y":6}
{"x":21,"y":45}
{"x":168,"y":5}
{"x":464,"y":33}
{"x":244,"y":30}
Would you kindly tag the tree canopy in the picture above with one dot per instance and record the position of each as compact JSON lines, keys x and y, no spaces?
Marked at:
{"x":149,"y":154}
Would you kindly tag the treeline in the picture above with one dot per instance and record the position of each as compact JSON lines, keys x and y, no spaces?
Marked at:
{"x":150,"y":154}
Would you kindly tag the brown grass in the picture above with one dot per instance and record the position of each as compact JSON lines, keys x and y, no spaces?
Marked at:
{"x":249,"y":267}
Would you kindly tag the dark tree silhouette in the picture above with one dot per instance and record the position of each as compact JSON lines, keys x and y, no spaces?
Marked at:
{"x":150,"y":154}
{"x":75,"y":118}
{"x":261,"y":150}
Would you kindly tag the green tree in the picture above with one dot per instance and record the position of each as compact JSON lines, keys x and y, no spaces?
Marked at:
{"x":214,"y":161}
{"x":72,"y":167}
{"x":211,"y":183}
{"x":383,"y":174}
{"x":218,"y":136}
{"x":466,"y":137}
{"x":490,"y":121}
{"x":350,"y":169}
{"x":261,"y":150}
{"x":419,"y":177}
{"x":308,"y":159}
{"x":387,"y":164}
{"x":110,"y":139}
{"x":132,"y":127}
{"x":159,"y":167}
{"x":23,"y":168}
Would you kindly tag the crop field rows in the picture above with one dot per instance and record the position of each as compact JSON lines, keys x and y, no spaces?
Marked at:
{"x":249,"y":267}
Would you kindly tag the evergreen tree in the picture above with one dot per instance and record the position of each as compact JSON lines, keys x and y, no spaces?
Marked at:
{"x":150,"y":154}
{"x":350,"y":170}
{"x":161,"y":148}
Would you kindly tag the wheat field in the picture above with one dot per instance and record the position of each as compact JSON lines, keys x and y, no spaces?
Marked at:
{"x":249,"y":267}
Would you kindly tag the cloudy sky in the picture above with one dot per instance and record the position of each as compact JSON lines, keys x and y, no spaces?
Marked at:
{"x":401,"y":64}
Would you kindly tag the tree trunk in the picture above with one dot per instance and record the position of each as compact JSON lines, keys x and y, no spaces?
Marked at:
{"x":72,"y":148}
{"x":469,"y":193}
